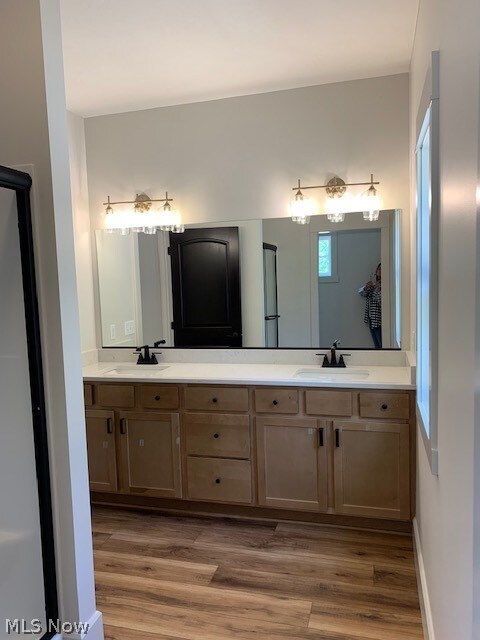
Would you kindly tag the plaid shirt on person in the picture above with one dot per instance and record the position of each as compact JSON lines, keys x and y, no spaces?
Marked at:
{"x":373,"y":306}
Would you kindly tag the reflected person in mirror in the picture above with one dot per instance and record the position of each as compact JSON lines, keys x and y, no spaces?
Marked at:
{"x":372,"y":292}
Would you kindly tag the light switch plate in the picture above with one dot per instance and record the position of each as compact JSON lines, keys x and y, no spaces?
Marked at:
{"x":129,"y":328}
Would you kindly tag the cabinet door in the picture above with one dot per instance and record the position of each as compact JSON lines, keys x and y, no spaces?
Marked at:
{"x":150,"y":460}
{"x":292,"y":463}
{"x":371,"y":466}
{"x":102,"y":464}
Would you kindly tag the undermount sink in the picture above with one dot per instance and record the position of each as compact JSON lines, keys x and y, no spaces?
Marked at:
{"x":332,"y":374}
{"x":144,"y":370}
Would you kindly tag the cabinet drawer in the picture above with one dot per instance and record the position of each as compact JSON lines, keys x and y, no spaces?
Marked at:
{"x":319,"y":402}
{"x":219,"y":480}
{"x":120,"y":396}
{"x":385,"y":405}
{"x":154,"y":396}
{"x":222,"y":436}
{"x":216,"y":398}
{"x":88,"y":394}
{"x":276,"y":400}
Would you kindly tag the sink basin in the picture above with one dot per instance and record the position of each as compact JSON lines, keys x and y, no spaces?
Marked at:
{"x":144,"y":370}
{"x":330,"y":375}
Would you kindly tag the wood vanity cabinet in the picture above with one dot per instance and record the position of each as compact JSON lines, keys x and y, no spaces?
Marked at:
{"x":101,"y":450}
{"x":372,"y":469}
{"x":292,"y":463}
{"x":150,"y":453}
{"x":329,"y":453}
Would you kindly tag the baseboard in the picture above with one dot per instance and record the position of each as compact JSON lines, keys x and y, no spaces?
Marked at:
{"x":422,"y":586}
{"x":95,"y":629}
{"x":250,"y":512}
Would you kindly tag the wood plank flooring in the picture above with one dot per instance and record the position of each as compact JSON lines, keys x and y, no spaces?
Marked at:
{"x":161,"y":577}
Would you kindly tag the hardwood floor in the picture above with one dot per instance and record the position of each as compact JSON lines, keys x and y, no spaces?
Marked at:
{"x":161,"y":577}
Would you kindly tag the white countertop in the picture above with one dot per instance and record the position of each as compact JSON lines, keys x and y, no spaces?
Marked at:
{"x":365,"y":377}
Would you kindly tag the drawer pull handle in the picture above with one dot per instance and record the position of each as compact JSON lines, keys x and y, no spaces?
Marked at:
{"x":157,"y":398}
{"x":216,"y":435}
{"x":123,"y":429}
{"x":275,"y":402}
{"x":109,"y":425}
{"x":337,"y":437}
{"x":384,"y":406}
{"x":321,"y":434}
{"x":214,"y":400}
{"x":217,"y":480}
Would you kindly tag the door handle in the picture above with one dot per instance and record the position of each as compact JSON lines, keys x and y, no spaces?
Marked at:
{"x":123,"y":426}
{"x":321,"y":437}
{"x":274,"y":317}
{"x":109,"y":425}
{"x":337,"y":437}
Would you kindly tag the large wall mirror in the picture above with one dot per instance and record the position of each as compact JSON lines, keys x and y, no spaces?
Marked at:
{"x":254,"y":283}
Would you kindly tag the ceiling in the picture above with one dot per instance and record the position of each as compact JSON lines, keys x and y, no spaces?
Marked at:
{"x":125,"y":55}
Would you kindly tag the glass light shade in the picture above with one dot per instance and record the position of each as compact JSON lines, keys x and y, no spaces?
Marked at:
{"x":170,"y":220}
{"x":337,"y":207}
{"x":371,"y":216}
{"x":302,"y":208}
{"x":371,"y":204}
{"x":117,"y":222}
{"x":339,"y":216}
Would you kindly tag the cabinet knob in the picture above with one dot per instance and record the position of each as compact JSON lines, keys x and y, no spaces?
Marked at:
{"x":214,"y":400}
{"x":216,"y":435}
{"x":217,"y":480}
{"x":157,"y":398}
{"x":384,"y":406}
{"x":275,"y":402}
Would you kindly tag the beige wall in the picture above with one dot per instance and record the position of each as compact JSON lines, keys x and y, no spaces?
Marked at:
{"x":446,"y":507}
{"x":237,"y":158}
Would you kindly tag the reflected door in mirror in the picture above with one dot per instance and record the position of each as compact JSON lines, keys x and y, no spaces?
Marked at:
{"x":206,"y":288}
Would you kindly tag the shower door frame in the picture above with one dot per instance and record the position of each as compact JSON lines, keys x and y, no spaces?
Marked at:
{"x":21,"y":183}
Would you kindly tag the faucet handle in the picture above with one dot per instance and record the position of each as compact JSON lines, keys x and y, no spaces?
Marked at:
{"x":341,"y":361}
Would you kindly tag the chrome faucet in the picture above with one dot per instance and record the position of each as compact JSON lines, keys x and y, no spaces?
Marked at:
{"x":333,"y":363}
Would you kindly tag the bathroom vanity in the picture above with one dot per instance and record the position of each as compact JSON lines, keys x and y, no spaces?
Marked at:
{"x":260,"y":441}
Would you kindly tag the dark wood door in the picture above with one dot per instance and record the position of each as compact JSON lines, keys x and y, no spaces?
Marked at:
{"x":206,"y":288}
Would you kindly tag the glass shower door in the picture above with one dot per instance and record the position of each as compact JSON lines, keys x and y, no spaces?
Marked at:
{"x":22,"y":595}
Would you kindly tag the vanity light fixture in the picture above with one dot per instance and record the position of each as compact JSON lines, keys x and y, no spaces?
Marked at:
{"x":338,"y":203}
{"x":143,"y":218}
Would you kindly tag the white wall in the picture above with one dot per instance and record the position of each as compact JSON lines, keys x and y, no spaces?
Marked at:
{"x":238,"y":158}
{"x":446,"y":507}
{"x":82,"y":232}
{"x":33,"y":131}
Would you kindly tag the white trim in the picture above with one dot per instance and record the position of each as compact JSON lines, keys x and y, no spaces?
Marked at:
{"x":95,"y":629}
{"x":428,"y":116}
{"x":427,"y":617}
